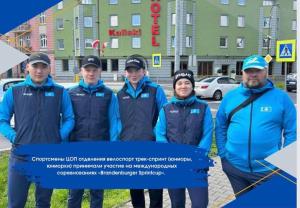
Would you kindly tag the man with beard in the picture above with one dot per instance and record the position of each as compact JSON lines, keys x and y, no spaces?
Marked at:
{"x":250,"y":124}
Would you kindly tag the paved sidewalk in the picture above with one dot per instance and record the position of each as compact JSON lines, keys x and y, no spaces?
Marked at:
{"x":220,"y":191}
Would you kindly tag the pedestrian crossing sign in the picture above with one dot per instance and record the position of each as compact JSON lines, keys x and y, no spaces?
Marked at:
{"x":156,"y":60}
{"x":285,"y":51}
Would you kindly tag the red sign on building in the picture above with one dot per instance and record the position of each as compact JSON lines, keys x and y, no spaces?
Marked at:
{"x":155,"y":14}
{"x":125,"y":32}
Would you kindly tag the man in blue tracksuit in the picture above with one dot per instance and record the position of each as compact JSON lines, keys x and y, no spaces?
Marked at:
{"x":255,"y":131}
{"x":139,"y":103}
{"x":186,"y":120}
{"x":39,"y":106}
{"x":96,"y":118}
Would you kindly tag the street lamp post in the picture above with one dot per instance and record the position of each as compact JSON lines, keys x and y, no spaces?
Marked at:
{"x":269,"y":28}
{"x":75,"y":67}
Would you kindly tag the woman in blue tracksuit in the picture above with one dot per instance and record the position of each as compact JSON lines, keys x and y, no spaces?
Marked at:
{"x":186,"y":120}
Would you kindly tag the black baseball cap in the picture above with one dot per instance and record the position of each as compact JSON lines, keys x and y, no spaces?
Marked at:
{"x":91,"y":60}
{"x":39,"y":57}
{"x":134,"y":62}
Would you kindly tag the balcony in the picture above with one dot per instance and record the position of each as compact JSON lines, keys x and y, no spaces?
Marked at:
{"x":22,"y":28}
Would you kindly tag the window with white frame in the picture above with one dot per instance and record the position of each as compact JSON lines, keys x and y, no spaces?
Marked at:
{"x":21,"y":42}
{"x":240,"y":42}
{"x":43,"y":18}
{"x":173,"y":16}
{"x":88,"y":21}
{"x":189,"y":18}
{"x":136,"y":42}
{"x":86,"y":1}
{"x":265,"y":42}
{"x":88,"y":43}
{"x":114,"y":43}
{"x":135,"y":1}
{"x":188,"y":41}
{"x":268,"y":2}
{"x":241,"y":21}
{"x":77,"y":43}
{"x":60,"y":5}
{"x":266,"y":22}
{"x":113,"y":1}
{"x":224,"y":1}
{"x":224,"y":20}
{"x":136,"y":20}
{"x":43,"y":40}
{"x":28,"y":41}
{"x":241,"y":2}
{"x":295,"y":5}
{"x":114,"y":21}
{"x":223,"y":42}
{"x":173,"y":41}
{"x":59,"y":24}
{"x":294,"y":25}
{"x":60,"y":44}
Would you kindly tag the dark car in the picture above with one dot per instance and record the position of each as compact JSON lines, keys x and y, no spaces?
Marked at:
{"x":291,"y":82}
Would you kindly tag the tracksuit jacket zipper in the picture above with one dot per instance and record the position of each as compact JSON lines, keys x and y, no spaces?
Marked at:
{"x":249,"y":137}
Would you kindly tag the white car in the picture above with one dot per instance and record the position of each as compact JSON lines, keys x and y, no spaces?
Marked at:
{"x":7,"y":83}
{"x":215,"y":87}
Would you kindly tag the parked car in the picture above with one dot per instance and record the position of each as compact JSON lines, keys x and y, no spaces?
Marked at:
{"x":291,"y":82}
{"x":215,"y":87}
{"x":7,"y":83}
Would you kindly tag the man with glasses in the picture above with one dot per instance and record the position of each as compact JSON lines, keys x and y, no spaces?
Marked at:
{"x":250,"y":124}
{"x":43,"y":115}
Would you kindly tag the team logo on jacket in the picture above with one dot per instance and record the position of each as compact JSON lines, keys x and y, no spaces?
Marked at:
{"x":99,"y":94}
{"x":27,"y":94}
{"x":145,"y":95}
{"x":49,"y":94}
{"x":174,"y":111}
{"x":195,"y":111}
{"x":125,"y":97}
{"x":80,"y":94}
{"x":266,"y":109}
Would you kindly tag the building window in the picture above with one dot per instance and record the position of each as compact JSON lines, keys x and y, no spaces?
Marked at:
{"x":266,"y":22}
{"x":113,"y":1}
{"x":114,"y":43}
{"x":265,"y":43}
{"x":114,"y":21}
{"x":224,"y":20}
{"x":136,"y":42}
{"x":268,"y":2}
{"x":205,"y":68}
{"x":188,"y":41}
{"x":239,"y":66}
{"x":136,"y":20}
{"x":88,"y":43}
{"x":88,"y":21}
{"x":173,"y":41}
{"x":60,"y":5}
{"x":189,"y":18}
{"x":104,"y":64}
{"x":135,"y":1}
{"x":43,"y":18}
{"x":86,"y":1}
{"x":76,"y":22}
{"x":65,"y":65}
{"x":173,"y":18}
{"x":294,"y":25}
{"x":294,"y":5}
{"x":43,"y":40}
{"x":241,"y":2}
{"x":241,"y":21}
{"x":224,"y":1}
{"x":60,"y":44}
{"x":28,"y":41}
{"x":114,"y":64}
{"x":223,"y":42}
{"x":21,"y":42}
{"x":77,"y":43}
{"x":240,"y":42}
{"x":59,"y":24}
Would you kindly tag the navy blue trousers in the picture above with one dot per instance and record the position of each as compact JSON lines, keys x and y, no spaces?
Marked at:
{"x":240,"y":180}
{"x":75,"y":198}
{"x":18,"y":187}
{"x":138,"y":198}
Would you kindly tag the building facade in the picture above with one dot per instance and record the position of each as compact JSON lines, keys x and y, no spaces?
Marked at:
{"x":214,"y":35}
